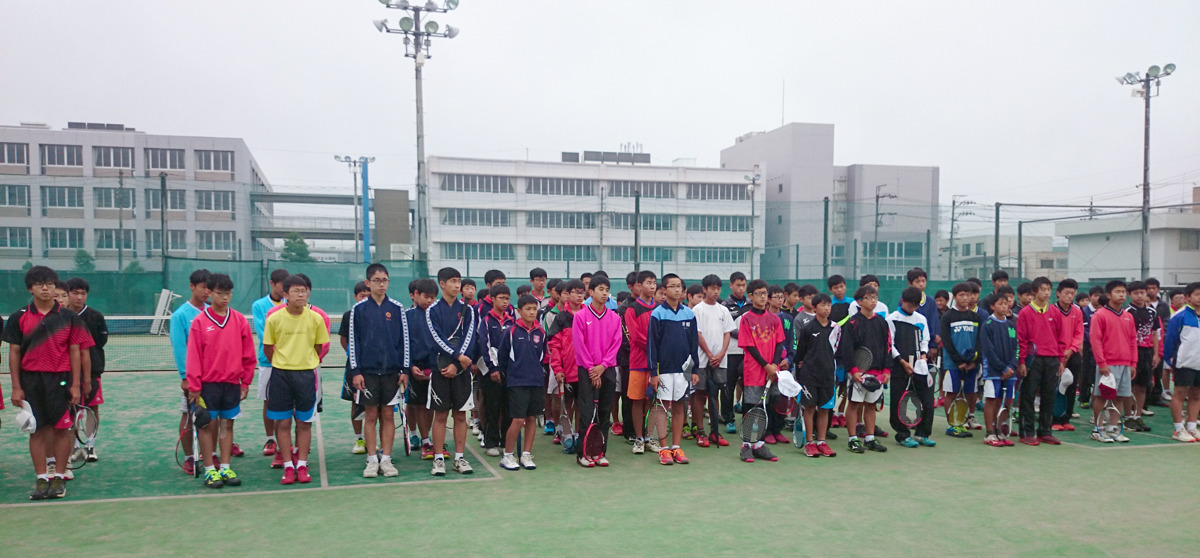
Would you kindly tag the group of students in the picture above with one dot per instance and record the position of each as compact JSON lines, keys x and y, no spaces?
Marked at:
{"x":564,"y":343}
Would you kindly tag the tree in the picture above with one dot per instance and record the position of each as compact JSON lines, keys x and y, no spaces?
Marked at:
{"x":295,"y":249}
{"x":135,"y":267}
{"x":28,"y":265}
{"x":84,"y":262}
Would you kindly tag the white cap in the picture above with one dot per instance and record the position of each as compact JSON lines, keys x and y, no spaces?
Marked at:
{"x":25,"y":419}
{"x":1065,"y":381}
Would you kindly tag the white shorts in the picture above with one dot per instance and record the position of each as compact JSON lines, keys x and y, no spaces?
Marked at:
{"x":264,"y":378}
{"x":674,"y":387}
{"x":184,"y":407}
{"x":858,"y":395}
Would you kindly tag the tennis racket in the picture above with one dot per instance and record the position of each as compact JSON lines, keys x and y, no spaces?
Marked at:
{"x":401,"y":420}
{"x":754,"y":423}
{"x":658,"y":421}
{"x":565,"y":429}
{"x":957,"y":412}
{"x":593,"y":439}
{"x":910,"y":409}
{"x":1110,"y":421}
{"x":799,"y":428}
{"x":1003,"y":416}
{"x":84,"y":426}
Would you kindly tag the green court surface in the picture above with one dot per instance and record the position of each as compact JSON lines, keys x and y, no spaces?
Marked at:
{"x":961,"y":498}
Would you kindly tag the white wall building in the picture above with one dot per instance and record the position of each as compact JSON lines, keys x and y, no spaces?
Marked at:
{"x":1110,"y":248}
{"x":96,"y":187}
{"x":571,"y":218}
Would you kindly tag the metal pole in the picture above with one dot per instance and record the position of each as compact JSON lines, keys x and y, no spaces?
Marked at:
{"x":855,"y":268}
{"x":354,"y":172}
{"x":366,"y":214}
{"x":162,"y":214}
{"x":797,"y":275}
{"x":752,"y":189}
{"x":120,"y":220}
{"x":996,"y":240}
{"x":1020,"y":249}
{"x":929,"y":250}
{"x":637,"y":230}
{"x":950,"y":264}
{"x":600,"y":255}
{"x":422,"y":195}
{"x":1146,"y":184}
{"x":825,"y":242}
{"x":873,"y":252}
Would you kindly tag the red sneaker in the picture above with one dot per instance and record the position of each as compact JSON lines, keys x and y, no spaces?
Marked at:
{"x":295,"y":455}
{"x":1048,"y":439}
{"x":702,"y":441}
{"x":1008,"y":442}
{"x":269,"y":448}
{"x":427,"y":452}
{"x":236,"y":451}
{"x":941,"y":402}
{"x":277,"y":463}
{"x":1029,"y":440}
{"x":216,"y":462}
{"x":810,"y":449}
{"x":302,"y":475}
{"x":825,"y":450}
{"x":189,"y":467}
{"x":617,"y":429}
{"x":1069,"y":427}
{"x":717,"y":439}
{"x":780,"y":438}
{"x":1057,"y":427}
{"x":289,"y":476}
{"x":769,"y":438}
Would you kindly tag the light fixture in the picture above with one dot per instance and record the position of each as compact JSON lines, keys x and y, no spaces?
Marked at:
{"x":430,"y":6}
{"x":406,"y":23}
{"x":1131,"y":78}
{"x":451,"y":31}
{"x":1168,"y":69}
{"x":431,"y":27}
{"x":451,"y":4}
{"x":384,"y":2}
{"x":381,"y":25}
{"x":1153,"y":71}
{"x":402,"y":4}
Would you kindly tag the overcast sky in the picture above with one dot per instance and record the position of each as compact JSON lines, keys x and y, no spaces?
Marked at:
{"x":1015,"y":101}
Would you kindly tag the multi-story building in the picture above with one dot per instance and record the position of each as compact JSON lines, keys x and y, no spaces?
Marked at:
{"x":572,"y":217}
{"x":975,"y":256}
{"x":96,"y":187}
{"x":1109,"y":248}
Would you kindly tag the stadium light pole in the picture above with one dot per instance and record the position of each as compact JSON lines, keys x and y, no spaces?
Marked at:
{"x":1153,"y":76}
{"x":750,"y":190}
{"x":416,"y":46}
{"x":355,"y":166}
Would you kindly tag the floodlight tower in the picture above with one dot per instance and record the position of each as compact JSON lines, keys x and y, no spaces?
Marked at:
{"x":1154,"y":76}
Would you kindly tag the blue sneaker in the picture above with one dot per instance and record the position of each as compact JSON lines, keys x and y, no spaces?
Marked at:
{"x":730,"y":428}
{"x":979,"y":405}
{"x":908,"y":442}
{"x":549,"y":429}
{"x":568,"y":445}
{"x":414,"y":441}
{"x":958,"y":432}
{"x":925,"y":442}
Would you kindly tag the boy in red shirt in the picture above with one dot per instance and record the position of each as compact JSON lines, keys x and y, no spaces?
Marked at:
{"x":220,"y":368}
{"x":1039,"y":331}
{"x":760,"y":334}
{"x":45,"y":341}
{"x":1114,"y":346}
{"x":637,"y":323}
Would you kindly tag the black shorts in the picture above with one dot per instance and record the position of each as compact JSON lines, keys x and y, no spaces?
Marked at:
{"x":418,"y":391}
{"x":347,"y":386}
{"x":1145,"y":367}
{"x":526,"y":401}
{"x":450,"y":394}
{"x":223,"y":400}
{"x":95,"y":398}
{"x":1186,"y":378}
{"x":292,"y":393}
{"x":379,"y":389}
{"x":49,"y":395}
{"x":816,"y":396}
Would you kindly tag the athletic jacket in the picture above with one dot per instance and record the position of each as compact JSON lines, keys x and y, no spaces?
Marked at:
{"x":1114,"y":338}
{"x":909,"y":333}
{"x":98,"y":328}
{"x":929,"y":309}
{"x":1040,"y":328}
{"x":378,"y":338}
{"x":452,"y":327}
{"x":840,"y":309}
{"x":1181,"y":346}
{"x":597,"y":337}
{"x":737,"y":308}
{"x":520,"y":355}
{"x":1071,"y":329}
{"x":789,"y":335}
{"x":220,"y":350}
{"x":491,"y":329}
{"x":1088,"y":313}
{"x":422,"y":351}
{"x":259,"y":309}
{"x":872,"y":332}
{"x":484,"y":307}
{"x":562,"y":344}
{"x":960,"y":337}
{"x":671,"y":340}
{"x":998,"y":339}
{"x":623,"y":353}
{"x":181,"y":328}
{"x":817,"y":349}
{"x":637,"y":323}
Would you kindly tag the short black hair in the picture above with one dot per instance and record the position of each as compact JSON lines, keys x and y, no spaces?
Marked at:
{"x":1096,"y":289}
{"x":754,"y":285}
{"x":1038,"y":282}
{"x":772,"y":290}
{"x":821,"y":298}
{"x":500,"y":289}
{"x":941,"y":294}
{"x":361,"y":287}
{"x":585,"y":275}
{"x":573,"y":284}
{"x":375,"y":268}
{"x":526,"y":299}
{"x":1006,"y":290}
{"x":695,"y":289}
{"x":219,"y":282}
{"x":1080,"y":297}
{"x":1173,"y":293}
{"x":911,"y":295}
{"x":808,"y":290}
{"x":711,"y":280}
{"x":1136,"y":286}
{"x":412,"y":286}
{"x":791,"y":288}
{"x":865,"y":291}
{"x":293,"y":281}
{"x":1025,"y":288}
{"x":492,"y":275}
{"x":737,"y":276}
{"x":1114,"y":284}
{"x":600,"y":272}
{"x":631,"y":278}
{"x":468,"y":282}
{"x":426,"y":287}
{"x":666,"y":279}
{"x":835,"y":280}
{"x":597,"y":281}
{"x":447,"y":273}
{"x":999,"y":274}
{"x":61,"y":285}
{"x":974,"y":280}
{"x":39,"y":274}
{"x":198,"y":277}
{"x":916,"y":273}
{"x":307,"y":281}
{"x":536,"y":272}
{"x":645,"y":274}
{"x":868,"y":278}
{"x":623,"y":297}
{"x":1191,"y":288}
{"x":279,"y":274}
{"x":524,"y":289}
{"x":552,"y":283}
{"x":1152,"y":282}
{"x":963,"y":287}
{"x":975,"y":287}
{"x":1067,"y":284}
{"x":78,"y":284}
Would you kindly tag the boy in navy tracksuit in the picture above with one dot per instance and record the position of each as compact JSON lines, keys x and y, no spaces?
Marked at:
{"x":522,"y":348}
{"x":423,"y":357}
{"x":998,"y":342}
{"x":491,"y":329}
{"x":671,"y":342}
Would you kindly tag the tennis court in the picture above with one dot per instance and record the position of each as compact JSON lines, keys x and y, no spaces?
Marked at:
{"x":960,"y":498}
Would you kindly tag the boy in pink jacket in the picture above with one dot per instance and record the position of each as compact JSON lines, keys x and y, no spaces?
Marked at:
{"x":1114,"y":346}
{"x":596,"y":332}
{"x":220,"y":367}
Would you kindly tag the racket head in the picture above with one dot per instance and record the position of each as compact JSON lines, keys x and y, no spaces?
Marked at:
{"x":958,"y":411}
{"x":402,"y":429}
{"x":799,"y":431}
{"x":910,"y":409}
{"x":182,"y":450}
{"x":863,"y":358}
{"x":1111,"y":421}
{"x":564,"y":426}
{"x":86,"y":425}
{"x":592,"y":445}
{"x":1003,"y":422}
{"x":754,"y":425}
{"x":658,"y":423}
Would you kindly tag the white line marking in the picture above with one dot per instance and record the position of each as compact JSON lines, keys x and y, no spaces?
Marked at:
{"x":321,"y":453}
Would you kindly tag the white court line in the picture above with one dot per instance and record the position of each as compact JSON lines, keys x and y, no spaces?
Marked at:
{"x":321,"y":453}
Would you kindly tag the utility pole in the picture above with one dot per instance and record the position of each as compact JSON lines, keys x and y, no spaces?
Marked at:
{"x":956,"y":202}
{"x":355,"y":165}
{"x":750,"y":190}
{"x":875,"y":240}
{"x":120,"y":220}
{"x":824,"y":242}
{"x":637,"y":230}
{"x":1154,"y":76}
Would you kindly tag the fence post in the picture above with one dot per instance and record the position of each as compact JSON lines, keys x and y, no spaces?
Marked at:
{"x":855,"y":268}
{"x":1020,"y":249}
{"x":825,"y":243}
{"x":928,"y":249}
{"x":996,"y":240}
{"x":797,"y":275}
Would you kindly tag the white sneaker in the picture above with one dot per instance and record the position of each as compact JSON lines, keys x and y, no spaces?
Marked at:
{"x":1183,"y":436}
{"x":509,"y":463}
{"x":388,"y":468}
{"x":639,"y":447}
{"x":493,"y":452}
{"x":1074,"y":415}
{"x":360,"y":447}
{"x":1166,"y":396}
{"x":1097,"y":436}
{"x":69,"y":474}
{"x":1122,"y":438}
{"x":372,"y":470}
{"x":1147,"y":413}
{"x":462,"y":466}
{"x":50,"y":469}
{"x":527,"y":461}
{"x":972,"y":424}
{"x":653,"y":446}
{"x":1195,"y":433}
{"x":79,"y":454}
{"x":439,"y":467}
{"x":602,"y":462}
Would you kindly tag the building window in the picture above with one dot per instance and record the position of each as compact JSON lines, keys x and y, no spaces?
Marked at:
{"x":214,"y":200}
{"x":213,"y":241}
{"x":153,"y":241}
{"x":630,"y":188}
{"x":113,"y":157}
{"x":978,"y":248}
{"x":14,"y":154}
{"x":14,"y":237}
{"x":966,"y":250}
{"x":1189,"y":240}
{"x":649,"y":254}
{"x":106,"y":239}
{"x":220,"y":161}
{"x":1060,"y":263}
{"x":62,"y":238}
{"x":560,"y":219}
{"x":650,"y":221}
{"x":176,"y":199}
{"x":1046,"y":264}
{"x":12,"y":195}
{"x":62,"y":155}
{"x":113,"y":198}
{"x":477,"y":183}
{"x":559,"y":186}
{"x":716,"y":255}
{"x":725,"y":223}
{"x":62,"y":196}
{"x":176,"y":240}
{"x":164,"y":159}
{"x":477,"y":217}
{"x":560,"y":253}
{"x":474,"y":251}
{"x":837,"y":255}
{"x":704,"y":191}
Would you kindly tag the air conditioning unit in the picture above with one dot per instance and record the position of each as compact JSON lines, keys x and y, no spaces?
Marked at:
{"x":402,"y":252}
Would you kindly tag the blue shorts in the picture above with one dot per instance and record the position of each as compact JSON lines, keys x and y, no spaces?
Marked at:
{"x":223,"y":400}
{"x":292,"y":393}
{"x":995,"y":388}
{"x":830,"y":404}
{"x":839,"y":372}
{"x":957,"y":380}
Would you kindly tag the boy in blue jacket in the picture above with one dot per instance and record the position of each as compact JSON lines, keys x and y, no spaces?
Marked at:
{"x":522,"y":348}
{"x":671,"y":342}
{"x":998,"y":341}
